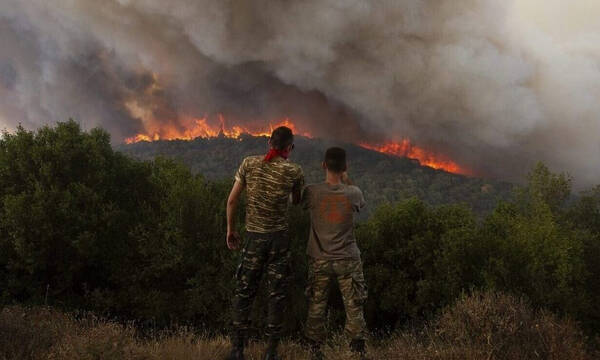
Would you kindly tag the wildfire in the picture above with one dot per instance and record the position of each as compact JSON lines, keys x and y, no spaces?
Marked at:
{"x":406,"y":149}
{"x":203,"y":128}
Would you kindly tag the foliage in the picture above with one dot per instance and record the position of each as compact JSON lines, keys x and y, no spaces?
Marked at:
{"x":497,"y":326}
{"x":482,"y":326}
{"x":415,"y":259}
{"x":83,"y":226}
{"x":383,"y":178}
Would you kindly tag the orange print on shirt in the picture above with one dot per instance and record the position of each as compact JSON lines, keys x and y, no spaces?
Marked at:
{"x":335,"y":208}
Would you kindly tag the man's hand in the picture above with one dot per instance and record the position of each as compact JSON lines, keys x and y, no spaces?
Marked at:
{"x":233,"y":240}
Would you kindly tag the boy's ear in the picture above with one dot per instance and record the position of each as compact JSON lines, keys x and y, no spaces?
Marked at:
{"x":324,"y":165}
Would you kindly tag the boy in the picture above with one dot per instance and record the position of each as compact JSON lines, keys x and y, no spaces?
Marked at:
{"x":333,"y":252}
{"x":268,"y":180}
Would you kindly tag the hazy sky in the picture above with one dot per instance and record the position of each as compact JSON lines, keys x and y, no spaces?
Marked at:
{"x":495,"y":85}
{"x":564,"y":20}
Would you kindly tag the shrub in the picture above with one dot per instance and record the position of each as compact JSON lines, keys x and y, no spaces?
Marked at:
{"x":417,"y":259}
{"x":501,"y":326}
{"x":482,"y":326}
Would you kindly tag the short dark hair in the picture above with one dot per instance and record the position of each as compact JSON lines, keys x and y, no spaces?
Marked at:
{"x":282,"y":137}
{"x":335,"y":159}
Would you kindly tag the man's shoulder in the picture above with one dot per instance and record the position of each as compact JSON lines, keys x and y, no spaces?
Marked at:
{"x":252,"y":159}
{"x":290,"y":167}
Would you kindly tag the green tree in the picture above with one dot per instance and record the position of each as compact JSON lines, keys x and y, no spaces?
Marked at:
{"x":417,"y":259}
{"x":531,"y":251}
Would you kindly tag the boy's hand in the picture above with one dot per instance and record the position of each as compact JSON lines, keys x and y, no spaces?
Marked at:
{"x":345,"y":179}
{"x":233,"y":240}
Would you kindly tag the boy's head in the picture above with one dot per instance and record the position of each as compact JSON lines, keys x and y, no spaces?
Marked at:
{"x":335,"y":160}
{"x":282,"y":138}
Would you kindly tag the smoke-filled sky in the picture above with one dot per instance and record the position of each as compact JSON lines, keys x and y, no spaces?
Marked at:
{"x":496,"y":85}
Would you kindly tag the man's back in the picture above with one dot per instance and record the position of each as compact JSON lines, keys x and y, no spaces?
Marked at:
{"x":268,"y":186}
{"x":332,"y":210}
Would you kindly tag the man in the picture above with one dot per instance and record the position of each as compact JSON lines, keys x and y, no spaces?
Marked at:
{"x":269,"y":180}
{"x":333,"y":253}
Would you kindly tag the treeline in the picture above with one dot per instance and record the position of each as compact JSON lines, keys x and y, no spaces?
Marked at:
{"x":85,"y":227}
{"x":383,"y":178}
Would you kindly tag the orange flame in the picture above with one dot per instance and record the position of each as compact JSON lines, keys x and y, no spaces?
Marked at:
{"x":406,"y":149}
{"x":202,"y":127}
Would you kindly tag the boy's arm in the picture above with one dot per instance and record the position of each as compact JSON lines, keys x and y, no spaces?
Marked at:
{"x":345,"y":179}
{"x":233,"y":238}
{"x":360,"y":199}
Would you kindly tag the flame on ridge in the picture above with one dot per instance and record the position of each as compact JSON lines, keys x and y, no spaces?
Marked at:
{"x":405,"y":148}
{"x":201,"y":127}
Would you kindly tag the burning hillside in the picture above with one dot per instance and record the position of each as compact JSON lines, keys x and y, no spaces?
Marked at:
{"x":205,"y":128}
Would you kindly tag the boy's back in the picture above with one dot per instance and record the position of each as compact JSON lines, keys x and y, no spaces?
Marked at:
{"x":333,"y":254}
{"x":332,"y":210}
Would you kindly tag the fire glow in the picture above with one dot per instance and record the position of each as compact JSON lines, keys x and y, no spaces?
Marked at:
{"x":406,"y":149}
{"x":203,"y":128}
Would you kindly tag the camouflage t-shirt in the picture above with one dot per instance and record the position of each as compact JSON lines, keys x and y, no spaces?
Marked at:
{"x":268,"y":187}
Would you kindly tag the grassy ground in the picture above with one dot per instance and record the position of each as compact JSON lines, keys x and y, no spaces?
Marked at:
{"x":483,"y":326}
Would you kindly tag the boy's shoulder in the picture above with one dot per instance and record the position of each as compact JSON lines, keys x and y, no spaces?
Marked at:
{"x":354,"y":188}
{"x":313,"y":186}
{"x":325,"y":186}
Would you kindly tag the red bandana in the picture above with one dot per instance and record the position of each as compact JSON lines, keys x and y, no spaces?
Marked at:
{"x":273,"y":153}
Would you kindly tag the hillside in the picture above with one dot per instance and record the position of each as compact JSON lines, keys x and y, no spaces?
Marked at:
{"x":86,"y":227}
{"x":383,"y":178}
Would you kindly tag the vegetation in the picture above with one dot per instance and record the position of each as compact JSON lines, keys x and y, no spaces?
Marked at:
{"x":383,"y":178}
{"x":85,"y":227}
{"x":483,"y":326}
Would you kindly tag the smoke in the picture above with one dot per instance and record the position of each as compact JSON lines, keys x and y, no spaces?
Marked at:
{"x":494,"y":85}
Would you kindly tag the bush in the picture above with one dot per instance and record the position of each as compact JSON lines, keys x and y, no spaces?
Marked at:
{"x":500,"y":326}
{"x":481,"y":326}
{"x":84,"y":227}
{"x":417,"y":260}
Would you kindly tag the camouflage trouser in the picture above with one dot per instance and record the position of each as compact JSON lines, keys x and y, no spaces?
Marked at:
{"x":349,"y":274}
{"x":269,"y":253}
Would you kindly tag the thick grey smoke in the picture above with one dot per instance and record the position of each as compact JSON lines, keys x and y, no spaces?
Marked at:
{"x":478,"y":80}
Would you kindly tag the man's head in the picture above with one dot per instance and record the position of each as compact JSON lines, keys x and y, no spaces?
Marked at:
{"x":282,"y":138}
{"x":335,"y":160}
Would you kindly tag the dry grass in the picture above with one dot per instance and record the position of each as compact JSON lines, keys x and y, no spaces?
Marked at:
{"x":483,"y":326}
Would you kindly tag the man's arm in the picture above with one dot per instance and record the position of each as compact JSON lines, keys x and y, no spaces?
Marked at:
{"x":297,"y":190}
{"x":233,"y":239}
{"x":296,"y":196}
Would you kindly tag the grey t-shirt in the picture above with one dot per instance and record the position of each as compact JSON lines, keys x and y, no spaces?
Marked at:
{"x":332,"y":210}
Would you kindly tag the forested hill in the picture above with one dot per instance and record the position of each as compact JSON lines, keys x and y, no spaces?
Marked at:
{"x":382,"y":177}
